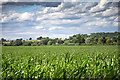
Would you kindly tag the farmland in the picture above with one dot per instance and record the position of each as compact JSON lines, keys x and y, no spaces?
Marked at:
{"x":60,"y":62}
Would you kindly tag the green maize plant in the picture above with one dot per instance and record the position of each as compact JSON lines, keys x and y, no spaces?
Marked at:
{"x":60,"y":62}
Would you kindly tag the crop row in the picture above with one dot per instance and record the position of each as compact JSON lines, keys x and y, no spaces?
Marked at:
{"x":61,"y":62}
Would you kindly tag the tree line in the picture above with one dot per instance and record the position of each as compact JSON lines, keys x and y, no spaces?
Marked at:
{"x":78,"y":39}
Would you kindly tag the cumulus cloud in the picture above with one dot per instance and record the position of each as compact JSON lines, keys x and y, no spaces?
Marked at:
{"x":51,"y":16}
{"x":38,"y":27}
{"x":110,"y":12}
{"x":59,"y":0}
{"x":53,"y":28}
{"x":31,"y":0}
{"x":25,"y":33}
{"x":66,"y":19}
{"x":25,"y":16}
{"x":103,"y":6}
{"x":115,"y":23}
{"x":16,"y":17}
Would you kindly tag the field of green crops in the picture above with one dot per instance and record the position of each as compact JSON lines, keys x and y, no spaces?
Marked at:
{"x":60,"y":62}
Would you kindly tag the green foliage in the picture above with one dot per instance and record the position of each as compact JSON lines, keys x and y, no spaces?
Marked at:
{"x":81,"y":39}
{"x":71,"y":44}
{"x":77,"y":44}
{"x":75,"y":40}
{"x":70,"y":38}
{"x":103,"y":34}
{"x":60,"y":41}
{"x":66,"y":62}
{"x":27,"y":43}
{"x":2,"y":39}
{"x":102,"y":40}
{"x":18,"y":42}
{"x":39,"y":38}
{"x":66,"y":42}
{"x":30,"y":38}
{"x":114,"y":39}
{"x":109,"y":41}
{"x":49,"y":43}
{"x":89,"y":40}
{"x":44,"y":41}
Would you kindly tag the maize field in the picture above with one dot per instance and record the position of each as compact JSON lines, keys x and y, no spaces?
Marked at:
{"x":60,"y":62}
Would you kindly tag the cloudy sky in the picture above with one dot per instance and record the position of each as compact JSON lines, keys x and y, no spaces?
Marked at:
{"x":57,"y":19}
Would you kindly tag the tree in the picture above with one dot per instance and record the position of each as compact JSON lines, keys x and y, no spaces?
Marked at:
{"x":89,"y":40}
{"x":30,"y":38}
{"x":96,"y":40}
{"x":118,"y":39}
{"x":38,"y":43}
{"x":78,"y":38}
{"x":39,"y":38}
{"x":75,"y":40}
{"x":5,"y":45}
{"x":114,"y":39}
{"x":70,"y":38}
{"x":82,"y":40}
{"x":44,"y":41}
{"x":108,"y":41}
{"x":54,"y":41}
{"x":47,"y":38}
{"x":66,"y":42}
{"x":60,"y":41}
{"x":27,"y":43}
{"x":102,"y":40}
{"x":12,"y":43}
{"x":2,"y":39}
{"x":74,"y":35}
{"x":49,"y":43}
{"x":18,"y":42}
{"x":21,"y":39}
{"x":77,"y":44}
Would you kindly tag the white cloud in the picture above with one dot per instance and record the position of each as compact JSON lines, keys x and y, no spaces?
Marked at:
{"x":59,"y":0}
{"x":53,"y":28}
{"x":102,"y":6}
{"x":16,"y":17}
{"x":43,"y":29}
{"x":110,"y":12}
{"x":117,"y":19}
{"x":115,"y":24}
{"x":99,"y":7}
{"x":38,"y":27}
{"x":54,"y":15}
{"x":24,"y":33}
{"x":25,"y":16}
{"x":31,"y":0}
{"x":99,"y":23}
{"x":46,"y":10}
{"x":67,"y":18}
{"x":113,"y":17}
{"x":0,"y":7}
{"x":59,"y":8}
{"x":89,"y":28}
{"x":103,"y":3}
{"x":8,"y":17}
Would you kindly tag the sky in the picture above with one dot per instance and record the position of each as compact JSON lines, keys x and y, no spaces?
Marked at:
{"x":57,"y":19}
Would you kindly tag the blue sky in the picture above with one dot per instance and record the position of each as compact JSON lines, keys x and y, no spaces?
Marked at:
{"x":58,"y":19}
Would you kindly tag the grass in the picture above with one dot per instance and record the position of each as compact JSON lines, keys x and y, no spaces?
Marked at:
{"x":60,"y":62}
